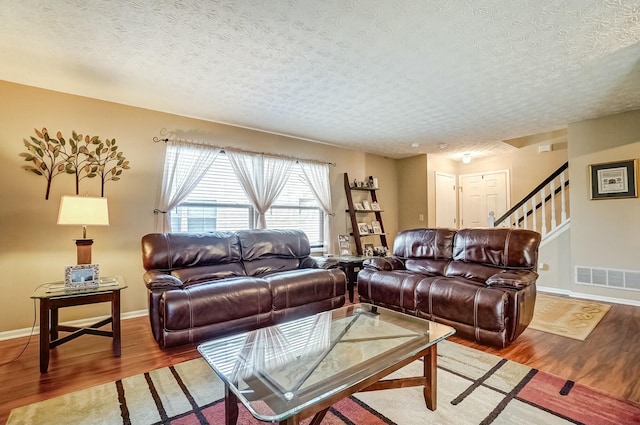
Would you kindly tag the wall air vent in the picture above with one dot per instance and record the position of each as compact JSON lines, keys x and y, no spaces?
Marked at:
{"x":613,"y":278}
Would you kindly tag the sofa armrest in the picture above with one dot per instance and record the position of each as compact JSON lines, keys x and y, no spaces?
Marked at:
{"x":155,"y":279}
{"x":384,"y":263}
{"x":513,"y":279}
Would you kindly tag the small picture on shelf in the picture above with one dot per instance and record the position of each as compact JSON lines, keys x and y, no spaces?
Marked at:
{"x":363,"y":229}
{"x":366,"y":205}
{"x":375,"y":227}
{"x":368,"y":250}
{"x":380,"y":251}
{"x":358,"y":206}
{"x":375,"y":206}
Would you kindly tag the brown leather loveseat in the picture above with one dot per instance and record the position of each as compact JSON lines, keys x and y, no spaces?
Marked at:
{"x":210,"y":284}
{"x":479,"y":281}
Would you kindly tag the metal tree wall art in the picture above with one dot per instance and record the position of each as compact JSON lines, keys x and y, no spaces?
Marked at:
{"x":107,"y":162}
{"x":81,"y":156}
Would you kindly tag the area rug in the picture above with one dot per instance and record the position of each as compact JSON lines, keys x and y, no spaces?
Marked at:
{"x":473,"y":388}
{"x":568,"y":317}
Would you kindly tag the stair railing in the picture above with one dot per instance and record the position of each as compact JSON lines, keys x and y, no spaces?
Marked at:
{"x":539,"y":207}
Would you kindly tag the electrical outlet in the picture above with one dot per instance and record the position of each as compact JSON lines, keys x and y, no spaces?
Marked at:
{"x":421,"y":217}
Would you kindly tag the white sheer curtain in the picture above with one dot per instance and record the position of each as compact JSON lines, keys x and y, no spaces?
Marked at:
{"x":184,"y":166}
{"x":262,"y":178}
{"x":317,"y":176}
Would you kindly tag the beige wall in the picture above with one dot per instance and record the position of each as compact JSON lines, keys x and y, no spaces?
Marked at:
{"x":412,"y":189}
{"x":604,"y":233}
{"x":34,"y":250}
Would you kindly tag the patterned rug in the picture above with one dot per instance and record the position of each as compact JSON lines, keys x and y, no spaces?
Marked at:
{"x":568,"y":317}
{"x":473,"y":388}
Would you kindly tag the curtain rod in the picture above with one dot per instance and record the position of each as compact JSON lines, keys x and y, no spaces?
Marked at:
{"x":223,"y":148}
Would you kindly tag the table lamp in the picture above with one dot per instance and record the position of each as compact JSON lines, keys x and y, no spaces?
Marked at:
{"x":83,"y":211}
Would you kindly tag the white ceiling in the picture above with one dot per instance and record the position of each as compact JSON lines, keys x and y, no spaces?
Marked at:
{"x":372,"y":75}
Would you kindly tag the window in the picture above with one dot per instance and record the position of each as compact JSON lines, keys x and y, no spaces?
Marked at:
{"x":220,"y":203}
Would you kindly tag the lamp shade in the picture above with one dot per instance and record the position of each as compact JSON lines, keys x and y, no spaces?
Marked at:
{"x":83,"y":210}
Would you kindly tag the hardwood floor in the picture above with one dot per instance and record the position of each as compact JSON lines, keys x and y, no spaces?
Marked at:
{"x":608,"y":360}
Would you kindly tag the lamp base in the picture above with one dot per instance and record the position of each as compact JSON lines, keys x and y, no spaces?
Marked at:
{"x":84,"y":250}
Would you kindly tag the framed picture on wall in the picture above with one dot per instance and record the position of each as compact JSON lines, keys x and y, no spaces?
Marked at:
{"x":613,"y":180}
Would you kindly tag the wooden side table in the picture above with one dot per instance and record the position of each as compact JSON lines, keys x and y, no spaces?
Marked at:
{"x":350,"y":265}
{"x":54,"y":296}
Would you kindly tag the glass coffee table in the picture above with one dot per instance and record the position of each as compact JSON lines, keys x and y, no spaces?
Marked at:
{"x":291,"y":371}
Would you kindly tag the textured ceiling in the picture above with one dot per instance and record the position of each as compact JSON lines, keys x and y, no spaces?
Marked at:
{"x":371,"y":75}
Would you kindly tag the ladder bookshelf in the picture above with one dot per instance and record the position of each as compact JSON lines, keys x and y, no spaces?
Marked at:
{"x":356,"y":214}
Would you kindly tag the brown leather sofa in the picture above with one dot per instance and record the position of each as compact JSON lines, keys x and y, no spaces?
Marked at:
{"x":206,"y":285}
{"x":479,"y":281}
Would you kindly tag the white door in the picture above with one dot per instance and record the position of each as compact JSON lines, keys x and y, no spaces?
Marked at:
{"x":482,"y":193}
{"x":446,"y":201}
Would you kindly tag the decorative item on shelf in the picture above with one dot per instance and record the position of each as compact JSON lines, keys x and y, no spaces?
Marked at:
{"x":358,"y":206}
{"x":83,"y":211}
{"x":373,"y":182}
{"x":344,"y":244}
{"x":368,"y":250}
{"x":83,"y":156}
{"x":614,"y":179}
{"x":380,"y":251}
{"x":366,"y":205}
{"x":82,"y":276}
{"x":375,"y":206}
{"x":375,"y":226}
{"x":363,"y":229}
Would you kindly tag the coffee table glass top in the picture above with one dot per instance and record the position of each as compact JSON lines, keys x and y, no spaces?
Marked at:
{"x":279,"y":371}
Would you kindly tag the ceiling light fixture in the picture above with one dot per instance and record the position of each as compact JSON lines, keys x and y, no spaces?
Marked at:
{"x":466,"y":158}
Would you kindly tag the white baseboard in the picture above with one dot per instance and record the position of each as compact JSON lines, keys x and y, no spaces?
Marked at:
{"x":581,"y":295}
{"x":18,"y":333}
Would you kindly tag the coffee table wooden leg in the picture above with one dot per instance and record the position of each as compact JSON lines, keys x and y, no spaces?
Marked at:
{"x":44,"y":335}
{"x":431,"y":377}
{"x":230,"y":406}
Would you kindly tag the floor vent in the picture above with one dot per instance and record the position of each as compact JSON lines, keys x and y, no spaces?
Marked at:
{"x":621,"y":279}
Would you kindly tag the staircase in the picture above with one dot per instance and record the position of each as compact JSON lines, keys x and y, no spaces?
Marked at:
{"x":545,"y":209}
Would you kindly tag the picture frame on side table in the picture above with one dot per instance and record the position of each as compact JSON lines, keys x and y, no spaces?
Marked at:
{"x":614,"y":180}
{"x":82,"y":276}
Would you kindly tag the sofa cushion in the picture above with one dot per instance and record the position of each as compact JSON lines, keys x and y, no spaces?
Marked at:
{"x":205,"y":304}
{"x":271,"y":251}
{"x":297,"y":287}
{"x":394,"y":289}
{"x":426,"y":251}
{"x":192,"y":275}
{"x":433,"y":244}
{"x":462,"y":301}
{"x":504,"y":248}
{"x":169,"y":251}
